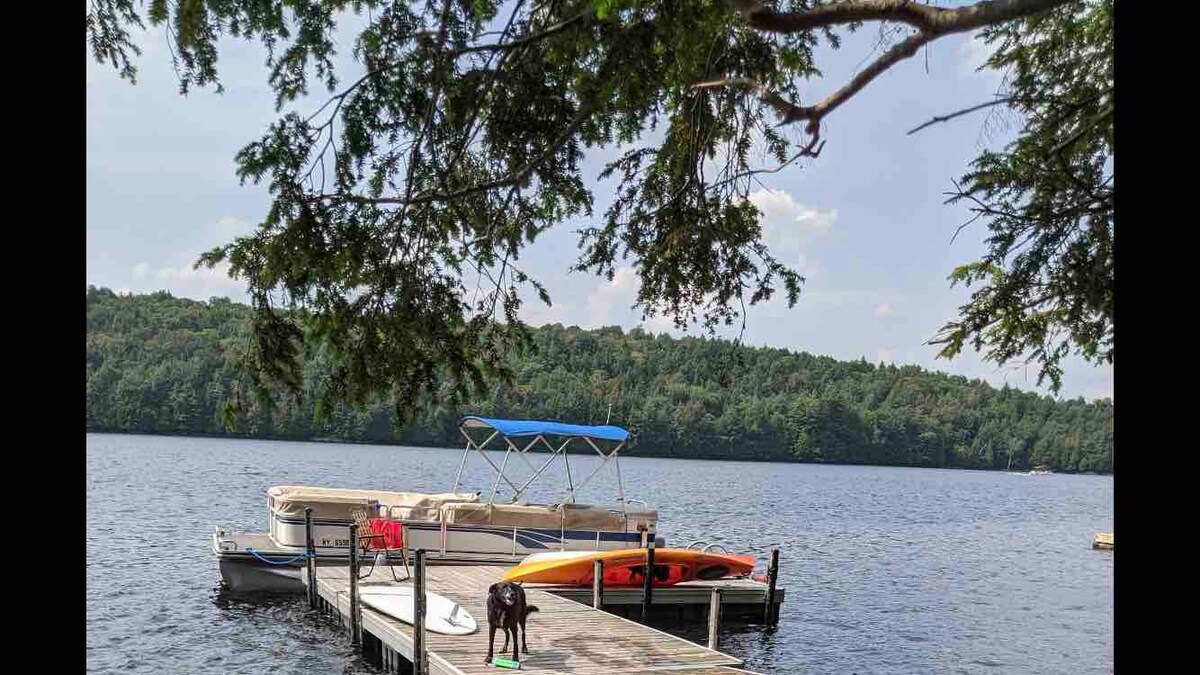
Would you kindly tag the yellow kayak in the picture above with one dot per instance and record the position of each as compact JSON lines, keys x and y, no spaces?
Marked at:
{"x":627,"y":567}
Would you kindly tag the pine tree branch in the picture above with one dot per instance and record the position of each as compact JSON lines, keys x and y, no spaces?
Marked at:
{"x":516,"y":178}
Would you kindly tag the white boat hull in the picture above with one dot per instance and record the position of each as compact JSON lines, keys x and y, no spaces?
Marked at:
{"x":334,"y":535}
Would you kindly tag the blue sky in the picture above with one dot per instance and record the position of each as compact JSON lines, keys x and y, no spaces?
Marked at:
{"x":865,"y":222}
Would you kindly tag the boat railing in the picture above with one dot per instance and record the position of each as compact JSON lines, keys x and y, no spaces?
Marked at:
{"x":706,"y":547}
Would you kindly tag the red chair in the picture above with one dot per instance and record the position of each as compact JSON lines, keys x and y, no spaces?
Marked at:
{"x":380,"y":537}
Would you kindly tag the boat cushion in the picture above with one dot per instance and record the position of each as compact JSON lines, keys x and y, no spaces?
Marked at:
{"x":559,"y":516}
{"x":333,"y":503}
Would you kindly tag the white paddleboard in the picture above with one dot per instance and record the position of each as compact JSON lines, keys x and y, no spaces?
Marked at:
{"x":442,"y":615}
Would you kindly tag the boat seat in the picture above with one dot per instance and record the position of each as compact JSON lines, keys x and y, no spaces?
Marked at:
{"x":289,"y":501}
{"x":555,"y":516}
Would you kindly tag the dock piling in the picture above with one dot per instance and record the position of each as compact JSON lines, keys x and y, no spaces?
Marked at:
{"x":648,"y":583}
{"x":420,"y":657}
{"x":598,"y":584}
{"x":714,"y":618}
{"x":354,"y":614}
{"x":310,"y":564}
{"x":770,"y":613}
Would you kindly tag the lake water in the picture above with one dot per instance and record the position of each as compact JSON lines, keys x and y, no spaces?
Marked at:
{"x":887,"y":570}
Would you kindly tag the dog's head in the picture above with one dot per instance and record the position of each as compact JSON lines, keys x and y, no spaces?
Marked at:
{"x":508,"y":594}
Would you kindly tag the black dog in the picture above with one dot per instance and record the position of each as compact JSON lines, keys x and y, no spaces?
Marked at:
{"x":507,"y":610}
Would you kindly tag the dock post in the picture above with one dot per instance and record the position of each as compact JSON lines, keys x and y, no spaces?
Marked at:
{"x":420,"y":658}
{"x":311,"y":563}
{"x":354,"y":584}
{"x":714,"y":618}
{"x":648,"y":583}
{"x":598,"y":584}
{"x":770,"y":614}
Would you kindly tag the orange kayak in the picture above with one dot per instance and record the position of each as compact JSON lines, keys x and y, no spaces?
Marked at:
{"x":627,"y":567}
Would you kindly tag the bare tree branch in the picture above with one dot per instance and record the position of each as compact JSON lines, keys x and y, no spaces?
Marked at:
{"x":783,"y":107}
{"x":927,"y":19}
{"x":899,"y":52}
{"x":964,"y":111}
{"x":931,"y":23}
{"x":812,"y":149}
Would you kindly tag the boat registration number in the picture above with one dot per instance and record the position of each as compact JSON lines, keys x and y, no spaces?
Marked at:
{"x":335,"y":542}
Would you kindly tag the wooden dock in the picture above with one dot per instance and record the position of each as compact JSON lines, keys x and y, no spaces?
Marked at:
{"x":565,"y":636}
{"x":740,"y":599}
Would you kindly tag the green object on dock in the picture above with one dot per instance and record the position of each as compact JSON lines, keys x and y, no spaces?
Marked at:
{"x":505,"y":663}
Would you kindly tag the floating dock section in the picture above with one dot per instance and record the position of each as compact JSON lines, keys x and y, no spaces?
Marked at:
{"x":740,"y":599}
{"x":564,"y":636}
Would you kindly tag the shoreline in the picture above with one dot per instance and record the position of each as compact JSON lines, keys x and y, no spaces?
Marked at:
{"x":632,"y":453}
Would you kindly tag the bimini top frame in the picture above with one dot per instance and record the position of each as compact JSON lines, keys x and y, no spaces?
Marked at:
{"x":507,"y":430}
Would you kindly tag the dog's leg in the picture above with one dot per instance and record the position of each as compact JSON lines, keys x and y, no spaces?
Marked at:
{"x":491,"y":641}
{"x":524,"y":635}
{"x":516,"y":656}
{"x":505,"y":647}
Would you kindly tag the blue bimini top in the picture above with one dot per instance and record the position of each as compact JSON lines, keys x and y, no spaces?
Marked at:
{"x":536,"y":428}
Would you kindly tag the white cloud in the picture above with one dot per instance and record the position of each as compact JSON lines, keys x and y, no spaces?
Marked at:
{"x":788,"y":225}
{"x":610,"y":302}
{"x":184,"y":281}
{"x":785,"y":215}
{"x":813,"y":220}
{"x":883,"y":310}
{"x":660,"y":324}
{"x":536,"y":313}
{"x":216,"y":277}
{"x":229,"y":228}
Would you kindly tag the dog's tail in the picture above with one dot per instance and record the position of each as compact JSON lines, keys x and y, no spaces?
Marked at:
{"x":530,"y":609}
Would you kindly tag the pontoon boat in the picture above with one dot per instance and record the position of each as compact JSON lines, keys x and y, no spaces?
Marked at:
{"x":451,"y":527}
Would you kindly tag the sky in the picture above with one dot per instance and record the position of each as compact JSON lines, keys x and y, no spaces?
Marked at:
{"x":865,"y":223}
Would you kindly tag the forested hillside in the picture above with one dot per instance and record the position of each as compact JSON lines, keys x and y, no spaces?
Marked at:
{"x":159,"y":364}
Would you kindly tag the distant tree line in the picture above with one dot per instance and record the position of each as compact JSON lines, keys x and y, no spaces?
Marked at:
{"x":160,"y":364}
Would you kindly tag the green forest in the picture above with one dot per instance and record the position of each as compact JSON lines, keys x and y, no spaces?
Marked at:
{"x":167,"y":365}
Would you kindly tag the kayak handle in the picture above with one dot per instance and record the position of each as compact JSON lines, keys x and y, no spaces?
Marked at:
{"x":705,"y":546}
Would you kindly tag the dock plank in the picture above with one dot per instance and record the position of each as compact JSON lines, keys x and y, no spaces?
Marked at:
{"x":565,"y":636}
